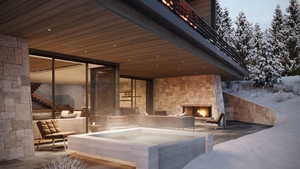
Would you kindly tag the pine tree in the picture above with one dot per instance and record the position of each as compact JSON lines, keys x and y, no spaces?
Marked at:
{"x":273,"y":67}
{"x":219,"y":14}
{"x":227,"y":29}
{"x":242,"y":37}
{"x":291,"y":62}
{"x":277,"y":39}
{"x":255,"y":60}
{"x":264,"y":68}
{"x":224,"y":24}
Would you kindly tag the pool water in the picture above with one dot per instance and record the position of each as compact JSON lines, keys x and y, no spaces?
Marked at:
{"x":143,"y":137}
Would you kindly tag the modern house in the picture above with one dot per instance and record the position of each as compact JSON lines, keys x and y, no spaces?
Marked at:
{"x":113,"y":60}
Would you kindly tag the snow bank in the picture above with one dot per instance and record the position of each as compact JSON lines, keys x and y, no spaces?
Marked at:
{"x":274,"y":148}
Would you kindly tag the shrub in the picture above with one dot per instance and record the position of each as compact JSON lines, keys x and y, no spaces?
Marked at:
{"x":65,"y":163}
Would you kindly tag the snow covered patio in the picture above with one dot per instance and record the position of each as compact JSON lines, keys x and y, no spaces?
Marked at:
{"x":276,"y":148}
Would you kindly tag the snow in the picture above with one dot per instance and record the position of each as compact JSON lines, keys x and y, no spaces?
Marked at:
{"x":274,"y":148}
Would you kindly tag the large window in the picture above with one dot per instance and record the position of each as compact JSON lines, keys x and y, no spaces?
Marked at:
{"x":60,"y":88}
{"x":70,"y":85}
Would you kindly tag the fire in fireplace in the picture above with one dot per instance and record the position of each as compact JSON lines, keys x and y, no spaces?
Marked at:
{"x":197,"y":111}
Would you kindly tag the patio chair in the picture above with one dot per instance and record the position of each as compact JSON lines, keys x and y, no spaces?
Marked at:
{"x":50,"y":130}
{"x":218,"y":121}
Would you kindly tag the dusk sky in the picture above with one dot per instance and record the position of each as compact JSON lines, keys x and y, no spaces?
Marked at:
{"x":257,"y":11}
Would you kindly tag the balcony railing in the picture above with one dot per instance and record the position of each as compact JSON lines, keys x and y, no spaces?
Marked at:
{"x":183,"y":9}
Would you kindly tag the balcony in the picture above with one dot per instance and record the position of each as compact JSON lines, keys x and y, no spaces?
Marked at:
{"x":183,"y":10}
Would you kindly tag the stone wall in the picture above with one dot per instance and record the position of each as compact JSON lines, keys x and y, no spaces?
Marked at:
{"x":171,"y":93}
{"x":16,"y":140}
{"x":242,"y":110}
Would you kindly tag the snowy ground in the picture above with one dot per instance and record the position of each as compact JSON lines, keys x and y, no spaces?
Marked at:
{"x":274,"y":148}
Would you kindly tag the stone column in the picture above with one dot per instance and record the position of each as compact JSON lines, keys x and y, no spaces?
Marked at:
{"x":219,"y":98}
{"x":16,"y":137}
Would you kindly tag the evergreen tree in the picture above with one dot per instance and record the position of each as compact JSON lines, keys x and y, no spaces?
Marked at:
{"x":264,"y":68}
{"x":291,"y":62}
{"x":226,"y":30}
{"x":242,"y":37}
{"x":277,"y":38}
{"x":255,"y":60}
{"x":224,"y":24}
{"x":273,"y":67}
{"x":219,"y":14}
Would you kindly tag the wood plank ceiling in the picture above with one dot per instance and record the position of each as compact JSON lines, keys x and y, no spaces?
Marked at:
{"x":83,"y":28}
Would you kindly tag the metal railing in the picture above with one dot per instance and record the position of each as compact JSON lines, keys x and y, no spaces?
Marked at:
{"x":183,"y":9}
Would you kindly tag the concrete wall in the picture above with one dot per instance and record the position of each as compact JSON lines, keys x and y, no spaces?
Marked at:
{"x":15,"y":100}
{"x":243,"y":110}
{"x":171,"y":93}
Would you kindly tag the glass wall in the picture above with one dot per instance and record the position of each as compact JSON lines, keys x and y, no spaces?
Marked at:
{"x":84,"y":90}
{"x":70,"y":88}
{"x":70,"y":83}
{"x":41,"y":87}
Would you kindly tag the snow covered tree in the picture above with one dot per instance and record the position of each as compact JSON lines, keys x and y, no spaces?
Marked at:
{"x":219,"y":14}
{"x":263,"y":67}
{"x":253,"y":60}
{"x":291,"y":62}
{"x":273,"y":67}
{"x":242,"y":37}
{"x":277,"y":39}
{"x":224,"y":24}
{"x":226,"y":29}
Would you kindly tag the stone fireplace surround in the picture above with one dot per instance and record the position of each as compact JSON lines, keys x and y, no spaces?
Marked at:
{"x":170,"y":94}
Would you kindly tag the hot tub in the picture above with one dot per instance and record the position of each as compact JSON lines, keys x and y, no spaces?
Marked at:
{"x":145,"y":148}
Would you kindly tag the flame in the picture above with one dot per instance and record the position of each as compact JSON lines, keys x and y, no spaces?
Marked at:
{"x":203,"y":112}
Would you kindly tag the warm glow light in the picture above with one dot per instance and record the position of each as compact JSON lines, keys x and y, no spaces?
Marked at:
{"x":203,"y":112}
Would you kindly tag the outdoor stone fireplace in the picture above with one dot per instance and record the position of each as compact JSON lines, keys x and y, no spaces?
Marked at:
{"x":201,"y":91}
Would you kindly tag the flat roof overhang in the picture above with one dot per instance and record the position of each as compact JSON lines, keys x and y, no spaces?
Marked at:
{"x":146,"y":43}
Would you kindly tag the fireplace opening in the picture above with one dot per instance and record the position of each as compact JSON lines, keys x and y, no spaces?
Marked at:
{"x":197,"y":111}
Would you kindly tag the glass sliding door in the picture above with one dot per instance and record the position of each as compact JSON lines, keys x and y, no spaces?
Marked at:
{"x":41,"y":73}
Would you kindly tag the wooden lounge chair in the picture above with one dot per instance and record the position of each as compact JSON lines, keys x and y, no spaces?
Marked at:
{"x":218,"y":121}
{"x":49,"y":130}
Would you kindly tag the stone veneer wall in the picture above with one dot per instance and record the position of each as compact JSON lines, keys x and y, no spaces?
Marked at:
{"x":171,"y":93}
{"x":16,"y":140}
{"x":243,"y":110}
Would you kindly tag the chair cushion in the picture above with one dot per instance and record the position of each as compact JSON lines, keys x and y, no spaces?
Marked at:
{"x":78,"y":113}
{"x":43,"y":127}
{"x":56,"y":126}
{"x":51,"y":126}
